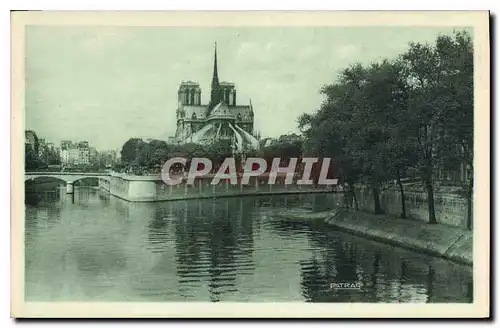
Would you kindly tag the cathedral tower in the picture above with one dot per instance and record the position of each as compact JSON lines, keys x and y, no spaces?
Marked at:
{"x":189,"y":93}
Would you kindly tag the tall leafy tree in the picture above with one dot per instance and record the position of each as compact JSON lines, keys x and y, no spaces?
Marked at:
{"x":456,"y":89}
{"x":388,"y":144}
{"x":130,"y":149}
{"x":423,"y":76}
{"x":329,"y":131}
{"x":383,"y":119}
{"x":440,"y":81}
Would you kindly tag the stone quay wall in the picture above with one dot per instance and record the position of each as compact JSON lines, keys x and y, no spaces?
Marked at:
{"x":451,"y":209}
{"x":152,"y":188}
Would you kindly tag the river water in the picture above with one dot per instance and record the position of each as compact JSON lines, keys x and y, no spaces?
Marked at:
{"x":91,"y":246}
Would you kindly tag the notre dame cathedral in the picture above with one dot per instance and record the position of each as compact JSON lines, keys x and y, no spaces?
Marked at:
{"x":222,"y":118}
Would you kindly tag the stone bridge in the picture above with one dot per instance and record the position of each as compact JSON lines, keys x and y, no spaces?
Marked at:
{"x":68,"y":177}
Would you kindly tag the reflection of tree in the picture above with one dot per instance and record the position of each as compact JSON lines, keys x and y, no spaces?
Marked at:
{"x":374,"y":275}
{"x":44,"y":201}
{"x":41,"y":213}
{"x":31,"y":198}
{"x":470,"y":292}
{"x":314,"y":282}
{"x":402,"y":279}
{"x":221,"y":249}
{"x":214,"y":241}
{"x":221,"y":257}
{"x":244,"y":226}
{"x":42,"y":191}
{"x":337,"y":265}
{"x":346,"y":268}
{"x":157,"y":230}
{"x":430,"y":284}
{"x":386,"y":274}
{"x":188,"y":236}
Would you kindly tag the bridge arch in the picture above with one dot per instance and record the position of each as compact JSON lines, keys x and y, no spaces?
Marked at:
{"x":38,"y":177}
{"x":86,"y":177}
{"x":66,"y":177}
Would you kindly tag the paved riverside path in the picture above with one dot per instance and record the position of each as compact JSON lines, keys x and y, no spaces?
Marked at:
{"x":453,"y":243}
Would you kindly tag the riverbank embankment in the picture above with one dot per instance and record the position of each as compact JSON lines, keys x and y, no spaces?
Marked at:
{"x":153,"y":188}
{"x":449,"y":242}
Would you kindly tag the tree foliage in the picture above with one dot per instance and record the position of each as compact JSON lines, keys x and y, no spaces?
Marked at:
{"x":139,"y":156}
{"x":413,"y":112}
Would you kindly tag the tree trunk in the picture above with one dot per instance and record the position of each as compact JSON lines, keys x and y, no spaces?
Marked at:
{"x":430,"y":201}
{"x":378,"y":209}
{"x":469,"y":202}
{"x":346,"y":196}
{"x":403,"y":201}
{"x":354,"y":198}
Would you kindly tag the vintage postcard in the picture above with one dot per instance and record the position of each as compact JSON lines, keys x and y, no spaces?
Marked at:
{"x":250,"y":164}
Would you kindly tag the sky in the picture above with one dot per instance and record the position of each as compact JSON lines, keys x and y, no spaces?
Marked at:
{"x":106,"y":84}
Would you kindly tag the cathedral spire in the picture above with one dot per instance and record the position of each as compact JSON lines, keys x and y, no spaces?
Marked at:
{"x":215,"y":76}
{"x":215,"y":96}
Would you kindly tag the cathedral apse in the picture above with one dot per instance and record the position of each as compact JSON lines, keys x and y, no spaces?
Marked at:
{"x":221,"y":118}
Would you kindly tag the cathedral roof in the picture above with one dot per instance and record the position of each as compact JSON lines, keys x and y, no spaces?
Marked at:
{"x":189,"y":83}
{"x":199,"y":110}
{"x":242,"y":111}
{"x":228,"y":84}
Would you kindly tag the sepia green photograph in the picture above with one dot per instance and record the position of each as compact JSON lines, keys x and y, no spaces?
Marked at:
{"x":250,"y":164}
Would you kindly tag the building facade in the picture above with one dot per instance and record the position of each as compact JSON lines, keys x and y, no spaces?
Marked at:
{"x":83,"y":153}
{"x":31,"y":141}
{"x":221,"y":118}
{"x":30,"y":149}
{"x":75,"y":153}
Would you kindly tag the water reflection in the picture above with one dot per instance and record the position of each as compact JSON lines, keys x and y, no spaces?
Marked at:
{"x":213,"y":240}
{"x":95,"y":247}
{"x":385,"y":273}
{"x":44,"y":192}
